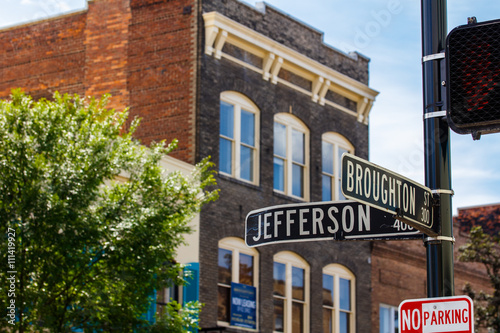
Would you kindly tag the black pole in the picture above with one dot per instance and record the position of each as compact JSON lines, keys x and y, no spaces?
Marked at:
{"x":440,"y":280}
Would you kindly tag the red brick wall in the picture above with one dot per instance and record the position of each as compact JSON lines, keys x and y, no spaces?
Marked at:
{"x":106,"y":45}
{"x":162,"y":72}
{"x":142,"y":52}
{"x":43,"y":58}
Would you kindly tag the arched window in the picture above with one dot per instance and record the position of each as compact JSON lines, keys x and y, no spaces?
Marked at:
{"x":239,"y":264}
{"x":338,"y":299}
{"x":239,"y":137}
{"x":291,"y":156}
{"x":290,"y":293}
{"x":333,"y":145}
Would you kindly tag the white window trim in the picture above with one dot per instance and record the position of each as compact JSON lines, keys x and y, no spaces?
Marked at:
{"x":338,"y":271}
{"x":237,"y":246}
{"x":290,"y":260}
{"x":168,"y":294}
{"x":239,"y":102}
{"x":338,"y":141}
{"x":292,"y":122}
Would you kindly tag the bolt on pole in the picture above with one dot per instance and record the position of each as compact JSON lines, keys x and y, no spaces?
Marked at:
{"x":440,"y":279}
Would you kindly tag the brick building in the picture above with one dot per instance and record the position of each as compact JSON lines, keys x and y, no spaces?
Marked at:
{"x":259,"y":92}
{"x":274,"y":107}
{"x":399,"y":269}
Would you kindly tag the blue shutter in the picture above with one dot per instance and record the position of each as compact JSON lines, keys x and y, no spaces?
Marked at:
{"x":191,"y":290}
{"x":151,"y":314}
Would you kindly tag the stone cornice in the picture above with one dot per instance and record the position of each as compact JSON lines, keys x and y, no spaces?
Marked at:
{"x":220,"y":30}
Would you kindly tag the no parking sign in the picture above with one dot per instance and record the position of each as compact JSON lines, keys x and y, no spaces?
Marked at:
{"x":437,"y":315}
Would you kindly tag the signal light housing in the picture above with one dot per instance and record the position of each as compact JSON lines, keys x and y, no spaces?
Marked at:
{"x":473,"y":78}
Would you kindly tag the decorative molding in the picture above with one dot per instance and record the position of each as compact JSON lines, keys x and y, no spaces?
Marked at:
{"x":220,"y":30}
{"x":267,"y":66}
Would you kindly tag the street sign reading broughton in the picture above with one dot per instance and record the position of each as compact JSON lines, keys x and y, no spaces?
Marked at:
{"x":338,"y":220}
{"x":380,"y":188}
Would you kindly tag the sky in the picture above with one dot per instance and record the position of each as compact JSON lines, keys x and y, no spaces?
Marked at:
{"x":389,"y":33}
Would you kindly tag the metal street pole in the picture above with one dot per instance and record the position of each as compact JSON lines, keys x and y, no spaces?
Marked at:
{"x":440,"y":280}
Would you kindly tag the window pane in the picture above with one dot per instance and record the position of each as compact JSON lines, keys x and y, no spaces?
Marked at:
{"x":345,"y":294}
{"x":278,"y":318}
{"x":225,"y":155}
{"x":388,"y":316}
{"x":327,"y":157}
{"x":338,"y":173}
{"x":279,"y":276}
{"x":339,"y":187}
{"x":396,"y":320}
{"x":326,"y":188}
{"x":327,"y":290}
{"x":341,"y":151}
{"x":223,"y":305}
{"x":226,"y":119}
{"x":225,"y":264}
{"x":246,"y":163}
{"x":384,"y":319}
{"x":246,"y":269}
{"x":279,"y":139}
{"x":298,"y":147}
{"x":327,"y":321}
{"x":297,"y":283}
{"x":247,"y":128}
{"x":297,"y":180}
{"x":344,"y":322}
{"x":279,"y":174}
{"x":297,"y":317}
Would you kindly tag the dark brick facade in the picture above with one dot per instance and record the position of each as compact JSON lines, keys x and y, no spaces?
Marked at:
{"x":226,"y":217}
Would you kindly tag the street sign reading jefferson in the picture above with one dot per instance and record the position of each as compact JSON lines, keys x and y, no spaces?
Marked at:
{"x":338,"y":220}
{"x":383,"y":189}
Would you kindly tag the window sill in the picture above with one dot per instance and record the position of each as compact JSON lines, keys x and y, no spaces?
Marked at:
{"x":289,"y":197}
{"x":224,"y":326}
{"x":239,"y":181}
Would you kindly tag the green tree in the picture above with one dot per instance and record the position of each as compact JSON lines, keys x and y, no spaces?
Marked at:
{"x":178,"y":319}
{"x":91,"y":222}
{"x":483,"y":248}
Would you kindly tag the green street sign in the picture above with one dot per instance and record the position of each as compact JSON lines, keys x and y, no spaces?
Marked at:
{"x":380,"y":188}
{"x":326,"y":220}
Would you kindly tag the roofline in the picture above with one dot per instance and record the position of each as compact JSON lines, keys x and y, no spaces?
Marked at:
{"x":56,"y":16}
{"x":479,"y":206}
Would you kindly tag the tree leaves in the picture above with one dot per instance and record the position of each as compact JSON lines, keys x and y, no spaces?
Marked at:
{"x":483,"y":248}
{"x":96,"y":216}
